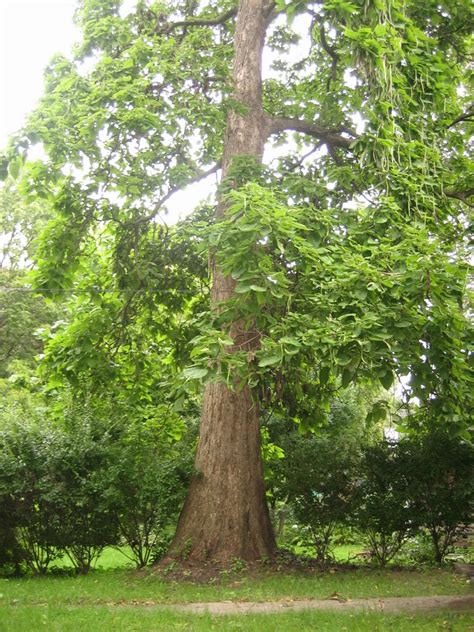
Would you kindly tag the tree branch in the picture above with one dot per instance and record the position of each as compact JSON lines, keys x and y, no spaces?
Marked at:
{"x":271,"y":13}
{"x":328,"y":136}
{"x":463,"y":196}
{"x":325,"y":44}
{"x":197,"y":178}
{"x":330,"y":50}
{"x":466,"y":116}
{"x":167,"y":28}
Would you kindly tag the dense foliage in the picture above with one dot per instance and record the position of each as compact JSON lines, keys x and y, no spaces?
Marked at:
{"x":439,"y":474}
{"x":346,"y":253}
{"x":71,"y":490}
{"x":22,"y":313}
{"x":382,"y":507}
{"x":319,"y":480}
{"x":388,"y":491}
{"x":349,"y":248}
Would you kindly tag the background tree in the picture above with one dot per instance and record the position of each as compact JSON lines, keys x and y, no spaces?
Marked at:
{"x":340,"y":259}
{"x":21,"y":311}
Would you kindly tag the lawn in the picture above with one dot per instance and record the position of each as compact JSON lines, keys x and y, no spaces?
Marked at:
{"x":112,"y":598}
{"x":102,"y":618}
{"x":125,"y":585}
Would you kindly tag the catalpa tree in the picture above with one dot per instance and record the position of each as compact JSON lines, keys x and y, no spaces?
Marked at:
{"x":337,"y":245}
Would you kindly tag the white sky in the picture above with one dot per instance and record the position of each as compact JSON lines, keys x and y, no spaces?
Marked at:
{"x":31,"y":32}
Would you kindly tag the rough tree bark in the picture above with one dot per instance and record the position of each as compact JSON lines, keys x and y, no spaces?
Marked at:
{"x":225,"y":515}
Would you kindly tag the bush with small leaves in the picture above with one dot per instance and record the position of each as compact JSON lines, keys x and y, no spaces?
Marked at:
{"x":318,"y":481}
{"x":382,"y":512}
{"x":440,"y":482}
{"x":53,"y":481}
{"x":154,"y":473}
{"x":12,"y":554}
{"x":30,"y":521}
{"x":82,"y":474}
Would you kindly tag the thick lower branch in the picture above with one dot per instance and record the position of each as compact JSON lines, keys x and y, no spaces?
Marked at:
{"x":220,"y":19}
{"x":463,"y":196}
{"x":329,"y":137}
{"x":465,"y":116}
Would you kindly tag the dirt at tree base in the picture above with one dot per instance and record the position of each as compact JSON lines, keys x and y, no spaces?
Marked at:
{"x":185,"y":570}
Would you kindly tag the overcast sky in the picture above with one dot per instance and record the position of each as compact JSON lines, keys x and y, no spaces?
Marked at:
{"x":31,"y":31}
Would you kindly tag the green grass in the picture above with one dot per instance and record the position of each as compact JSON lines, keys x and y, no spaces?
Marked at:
{"x":104,"y":600}
{"x":113,"y":557}
{"x":100,"y":618}
{"x":345,"y":552}
{"x":342,"y":553}
{"x":109,"y":558}
{"x":122,"y":584}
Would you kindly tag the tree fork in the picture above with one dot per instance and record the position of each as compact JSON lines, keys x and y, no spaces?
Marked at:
{"x":225,"y":515}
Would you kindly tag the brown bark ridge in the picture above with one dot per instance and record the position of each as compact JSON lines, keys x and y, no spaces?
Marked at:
{"x":225,"y":516}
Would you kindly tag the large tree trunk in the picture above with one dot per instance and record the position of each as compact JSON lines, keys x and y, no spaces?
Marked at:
{"x":225,"y":515}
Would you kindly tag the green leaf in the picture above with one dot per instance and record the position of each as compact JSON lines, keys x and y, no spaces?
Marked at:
{"x":324,"y":374}
{"x":178,"y":404}
{"x":14,"y":167}
{"x":343,"y":358}
{"x":403,"y":324}
{"x":3,"y":168}
{"x":290,"y":340}
{"x":195,"y":373}
{"x":378,"y":412}
{"x":346,"y":377}
{"x":387,"y":379}
{"x":243,"y":287}
{"x":247,"y":228}
{"x":269,"y":360}
{"x":360,"y":294}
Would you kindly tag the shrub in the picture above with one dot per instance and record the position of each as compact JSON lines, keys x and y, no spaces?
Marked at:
{"x":382,"y":512}
{"x":155,"y":474}
{"x":53,"y":484}
{"x":76,"y":487}
{"x":440,"y":486}
{"x":318,"y":480}
{"x":29,"y":523}
{"x":81,"y":474}
{"x":12,"y":555}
